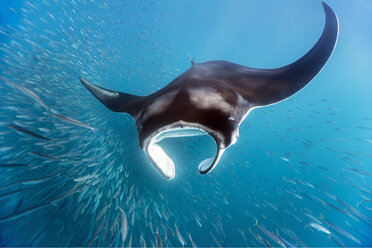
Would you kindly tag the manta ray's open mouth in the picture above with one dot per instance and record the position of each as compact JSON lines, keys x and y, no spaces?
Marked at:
{"x":163,"y":163}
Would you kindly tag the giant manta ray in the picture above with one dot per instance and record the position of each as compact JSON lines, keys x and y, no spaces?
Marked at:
{"x":214,"y":97}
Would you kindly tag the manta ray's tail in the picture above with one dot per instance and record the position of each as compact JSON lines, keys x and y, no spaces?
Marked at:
{"x":115,"y":101}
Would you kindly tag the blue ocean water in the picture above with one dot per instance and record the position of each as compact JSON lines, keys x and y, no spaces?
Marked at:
{"x":299,"y":175}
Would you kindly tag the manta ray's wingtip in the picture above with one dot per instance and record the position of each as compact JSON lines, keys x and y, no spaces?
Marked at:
{"x":327,"y":8}
{"x":97,"y":91}
{"x":332,"y":23}
{"x":85,"y":82}
{"x":325,"y":5}
{"x":329,"y":11}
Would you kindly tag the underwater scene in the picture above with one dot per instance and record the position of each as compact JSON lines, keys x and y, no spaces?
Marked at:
{"x":97,"y":150}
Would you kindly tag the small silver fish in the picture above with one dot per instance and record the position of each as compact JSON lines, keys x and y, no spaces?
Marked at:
{"x":33,"y":95}
{"x":26,"y":131}
{"x":73,"y":121}
{"x":341,"y":231}
{"x":84,"y":178}
{"x":179,"y":236}
{"x":271,"y":235}
{"x":124,"y":225}
{"x":318,"y":227}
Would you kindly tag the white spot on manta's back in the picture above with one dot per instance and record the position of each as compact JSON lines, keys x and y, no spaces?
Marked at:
{"x":207,"y":98}
{"x":160,"y":104}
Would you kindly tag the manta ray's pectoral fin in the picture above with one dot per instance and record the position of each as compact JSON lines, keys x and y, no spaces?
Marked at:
{"x":209,"y":164}
{"x":267,"y":86}
{"x":115,"y":101}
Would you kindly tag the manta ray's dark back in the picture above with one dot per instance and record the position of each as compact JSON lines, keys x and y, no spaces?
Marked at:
{"x":215,"y":97}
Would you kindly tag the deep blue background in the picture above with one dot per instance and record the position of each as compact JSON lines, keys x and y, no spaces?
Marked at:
{"x":316,"y":145}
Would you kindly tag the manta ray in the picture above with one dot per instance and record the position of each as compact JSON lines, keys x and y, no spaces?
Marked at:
{"x":214,"y":98}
